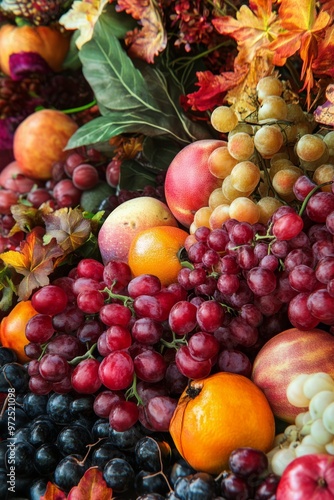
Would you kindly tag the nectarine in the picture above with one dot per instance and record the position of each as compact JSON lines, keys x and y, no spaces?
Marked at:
{"x":126,"y":221}
{"x":189,"y":182}
{"x":40,"y":140}
{"x":285,"y":356}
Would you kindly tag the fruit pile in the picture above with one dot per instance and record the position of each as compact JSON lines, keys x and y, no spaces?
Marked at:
{"x":138,"y":325}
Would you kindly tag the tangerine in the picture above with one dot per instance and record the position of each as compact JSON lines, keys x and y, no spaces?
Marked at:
{"x":13,"y":327}
{"x":156,"y":250}
{"x":218,"y":414}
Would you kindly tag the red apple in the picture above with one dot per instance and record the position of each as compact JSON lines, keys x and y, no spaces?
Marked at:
{"x":307,"y":477}
{"x":189,"y":182}
{"x":285,"y":356}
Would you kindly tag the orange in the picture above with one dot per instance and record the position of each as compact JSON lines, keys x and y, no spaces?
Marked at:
{"x":156,"y":251}
{"x":13,"y":326}
{"x":217,"y":414}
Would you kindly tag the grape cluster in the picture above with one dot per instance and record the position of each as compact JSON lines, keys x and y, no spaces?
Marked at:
{"x":84,"y":179}
{"x":58,"y":436}
{"x":313,"y":430}
{"x":263,"y":157}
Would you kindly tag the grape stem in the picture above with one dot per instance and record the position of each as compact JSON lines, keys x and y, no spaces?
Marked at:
{"x":311,"y":193}
{"x":133,"y":393}
{"x":127,"y":301}
{"x":175,"y":343}
{"x":88,"y":354}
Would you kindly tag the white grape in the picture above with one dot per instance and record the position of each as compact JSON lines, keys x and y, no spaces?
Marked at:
{"x":291,"y":433}
{"x":281,"y":459}
{"x":300,"y":419}
{"x":317,"y":382}
{"x":319,"y":432}
{"x":319,"y":402}
{"x":280,"y":439}
{"x":308,"y":449}
{"x":295,"y":391}
{"x":328,"y":417}
{"x":329,"y":447}
{"x":309,"y":440}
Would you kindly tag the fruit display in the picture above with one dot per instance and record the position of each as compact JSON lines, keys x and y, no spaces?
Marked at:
{"x":166,"y":250}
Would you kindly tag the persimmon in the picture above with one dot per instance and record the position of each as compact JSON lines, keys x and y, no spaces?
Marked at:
{"x":51,"y":44}
{"x":218,"y":414}
{"x":12,"y":329}
{"x":156,"y":251}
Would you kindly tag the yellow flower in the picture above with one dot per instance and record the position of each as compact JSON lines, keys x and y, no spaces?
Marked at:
{"x":83,"y":16}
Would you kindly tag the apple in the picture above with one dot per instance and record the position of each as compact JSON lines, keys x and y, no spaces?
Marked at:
{"x":40,"y":140}
{"x":126,"y":221}
{"x":287,"y":355}
{"x":188,"y":182}
{"x":306,"y":477}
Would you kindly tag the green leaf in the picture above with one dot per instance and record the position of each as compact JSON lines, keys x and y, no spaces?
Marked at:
{"x":103,"y":128}
{"x":134,"y":176}
{"x":116,"y":83}
{"x":160,"y":151}
{"x":133,"y":99}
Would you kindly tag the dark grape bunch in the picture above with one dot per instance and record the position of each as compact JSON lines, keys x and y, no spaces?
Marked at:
{"x":59,"y":436}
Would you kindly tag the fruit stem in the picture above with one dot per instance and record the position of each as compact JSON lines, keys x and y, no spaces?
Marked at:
{"x":311,"y":193}
{"x":175,"y":343}
{"x":88,"y":354}
{"x":127,"y":301}
{"x":133,"y":393}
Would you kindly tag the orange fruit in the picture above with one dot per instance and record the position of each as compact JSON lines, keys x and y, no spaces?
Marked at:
{"x":156,"y":251}
{"x":13,"y":326}
{"x":217,"y":414}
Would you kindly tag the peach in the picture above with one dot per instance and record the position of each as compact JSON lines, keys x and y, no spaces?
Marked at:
{"x":40,"y":140}
{"x":12,"y":177}
{"x":189,"y":182}
{"x":126,"y":221}
{"x":287,"y":355}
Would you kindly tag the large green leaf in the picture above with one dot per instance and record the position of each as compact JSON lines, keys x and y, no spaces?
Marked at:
{"x":103,"y":128}
{"x":115,"y":81}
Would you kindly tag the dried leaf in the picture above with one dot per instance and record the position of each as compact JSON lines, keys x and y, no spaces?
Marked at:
{"x":323,"y":64}
{"x":243,"y":97}
{"x":69,"y":227}
{"x":302,"y":29}
{"x":27,"y":217}
{"x":151,"y":39}
{"x":253,"y":29}
{"x":52,"y":492}
{"x":35,"y":261}
{"x":325,"y":113}
{"x":91,"y":486}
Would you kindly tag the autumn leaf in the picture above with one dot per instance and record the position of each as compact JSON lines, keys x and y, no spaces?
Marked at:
{"x":27,"y":217}
{"x":302,"y":30}
{"x":69,"y":227}
{"x":151,"y":39}
{"x":35,"y":261}
{"x":323,"y":63}
{"x":91,"y":486}
{"x":243,"y":96}
{"x":213,"y":88}
{"x":52,"y":492}
{"x":253,"y":28}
